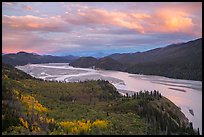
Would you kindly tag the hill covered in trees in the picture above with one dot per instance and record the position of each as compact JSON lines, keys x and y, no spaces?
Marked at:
{"x":23,"y":58}
{"x":33,"y":106}
{"x":84,"y":62}
{"x":104,"y":63}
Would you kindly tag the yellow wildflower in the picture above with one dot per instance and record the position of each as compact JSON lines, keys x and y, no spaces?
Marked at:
{"x":74,"y":130}
{"x":52,"y":120}
{"x":48,"y":120}
{"x":16,"y":92}
{"x":100,"y":123}
{"x":82,"y":126}
{"x":31,"y":103}
{"x":25,"y":123}
{"x":41,"y":118}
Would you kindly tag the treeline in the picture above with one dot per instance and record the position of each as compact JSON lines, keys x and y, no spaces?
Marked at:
{"x":173,"y":69}
{"x":161,"y":116}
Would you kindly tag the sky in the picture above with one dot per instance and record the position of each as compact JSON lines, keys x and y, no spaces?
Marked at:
{"x":97,"y":28}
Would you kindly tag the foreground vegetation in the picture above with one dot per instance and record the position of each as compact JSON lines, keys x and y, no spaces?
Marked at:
{"x":33,"y":106}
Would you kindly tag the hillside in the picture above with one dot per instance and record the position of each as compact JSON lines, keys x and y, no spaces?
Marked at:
{"x":23,"y":58}
{"x":184,"y":51}
{"x":84,"y":62}
{"x":104,"y":63}
{"x":182,"y":61}
{"x":109,"y":64}
{"x":33,"y":106}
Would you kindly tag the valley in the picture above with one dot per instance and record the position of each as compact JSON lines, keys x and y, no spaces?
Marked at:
{"x":102,"y":68}
{"x":129,"y":83}
{"x":34,"y":106}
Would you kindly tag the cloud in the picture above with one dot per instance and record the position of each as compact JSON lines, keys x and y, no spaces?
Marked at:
{"x":104,"y":17}
{"x":28,"y":8}
{"x":78,"y":27}
{"x":34,"y":23}
{"x":7,"y":3}
{"x":161,"y":20}
{"x":171,"y":17}
{"x":168,"y":21}
{"x":13,"y":41}
{"x":36,"y":41}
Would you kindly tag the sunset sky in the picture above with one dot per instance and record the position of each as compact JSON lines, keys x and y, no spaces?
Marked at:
{"x":97,"y":29}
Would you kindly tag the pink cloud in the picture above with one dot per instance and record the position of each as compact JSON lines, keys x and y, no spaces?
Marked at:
{"x":104,"y":17}
{"x":26,"y":32}
{"x":8,"y":3}
{"x":164,"y":18}
{"x":161,"y":20}
{"x":34,"y":23}
{"x":174,"y":20}
{"x":15,"y":50}
{"x":13,"y":41}
{"x":28,"y":8}
{"x":168,"y":21}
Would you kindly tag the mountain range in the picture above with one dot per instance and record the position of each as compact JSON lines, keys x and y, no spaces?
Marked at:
{"x":183,"y":61}
{"x":23,"y":58}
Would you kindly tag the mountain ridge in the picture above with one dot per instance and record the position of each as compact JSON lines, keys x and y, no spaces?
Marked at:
{"x":183,"y":61}
{"x":23,"y":58}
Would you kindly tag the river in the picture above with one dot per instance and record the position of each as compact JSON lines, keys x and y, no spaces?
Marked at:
{"x":186,"y":94}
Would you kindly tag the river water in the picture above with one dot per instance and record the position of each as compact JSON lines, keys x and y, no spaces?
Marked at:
{"x":186,"y":94}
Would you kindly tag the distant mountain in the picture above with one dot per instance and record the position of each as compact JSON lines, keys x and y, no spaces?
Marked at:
{"x":23,"y":58}
{"x":104,"y":63}
{"x":171,"y":52}
{"x":71,"y":57}
{"x":109,"y":64}
{"x":183,"y":61}
{"x":84,"y":62}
